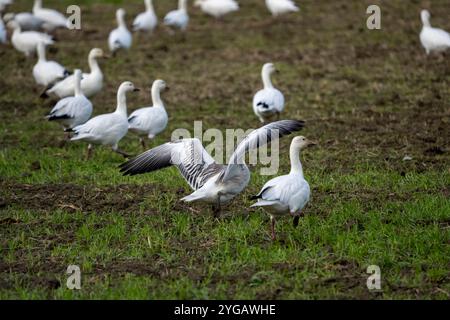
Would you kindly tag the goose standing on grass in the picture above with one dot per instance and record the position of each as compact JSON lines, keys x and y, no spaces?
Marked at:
{"x":91,"y":84}
{"x":3,"y":37}
{"x":178,"y":18}
{"x":26,"y":20}
{"x":146,"y":21}
{"x":120,"y":38}
{"x":212,"y":182}
{"x":107,"y":129}
{"x":27,"y":41}
{"x":150,"y":121}
{"x":287,"y":194}
{"x":217,"y":8}
{"x":72,"y":111}
{"x":268,"y":101}
{"x":279,"y":7}
{"x":53,"y":19}
{"x":433,"y":39}
{"x":47,"y":72}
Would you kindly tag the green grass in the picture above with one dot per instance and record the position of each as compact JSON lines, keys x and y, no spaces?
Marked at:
{"x":369,"y":98}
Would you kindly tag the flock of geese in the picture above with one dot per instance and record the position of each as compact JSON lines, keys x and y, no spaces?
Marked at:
{"x":211,"y":182}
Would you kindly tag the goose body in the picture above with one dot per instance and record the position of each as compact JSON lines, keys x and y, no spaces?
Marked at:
{"x":26,"y":20}
{"x":153,"y":120}
{"x":72,"y":111}
{"x":107,"y":129}
{"x":279,"y":7}
{"x":3,"y":37}
{"x":433,"y":39}
{"x":91,"y":84}
{"x":269,"y":101}
{"x":146,"y":21}
{"x":27,"y":41}
{"x":178,"y":18}
{"x":217,"y":8}
{"x":290,"y":193}
{"x":53,"y":19}
{"x":212,"y":182}
{"x":47,"y":72}
{"x":120,"y":38}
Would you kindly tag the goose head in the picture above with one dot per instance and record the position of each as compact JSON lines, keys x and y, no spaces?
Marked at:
{"x":425,"y":16}
{"x":97,"y":53}
{"x":301,"y":143}
{"x":13,"y":25}
{"x":159,"y":85}
{"x":127,"y":86}
{"x":8,"y":17}
{"x":269,"y":68}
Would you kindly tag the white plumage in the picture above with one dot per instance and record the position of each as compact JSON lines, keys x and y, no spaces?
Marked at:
{"x":268,"y":101}
{"x":27,"y":41}
{"x":26,"y":20}
{"x":47,"y":72}
{"x":178,"y":18}
{"x":290,"y":193}
{"x":107,"y":129}
{"x":146,"y":21}
{"x":153,"y":120}
{"x":217,"y":8}
{"x":91,"y":84}
{"x":72,"y":111}
{"x":120,"y":38}
{"x":279,"y":7}
{"x":53,"y":19}
{"x":433,"y":39}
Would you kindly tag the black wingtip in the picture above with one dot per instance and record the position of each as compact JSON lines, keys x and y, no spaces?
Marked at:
{"x":255,"y":197}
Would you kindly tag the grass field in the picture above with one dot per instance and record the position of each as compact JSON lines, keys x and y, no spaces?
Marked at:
{"x":369,"y":97}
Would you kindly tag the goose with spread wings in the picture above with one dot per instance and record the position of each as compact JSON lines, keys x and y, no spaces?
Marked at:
{"x":212,"y":182}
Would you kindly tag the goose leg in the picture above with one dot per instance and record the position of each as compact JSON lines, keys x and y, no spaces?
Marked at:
{"x":272,"y":228}
{"x":122,"y":153}
{"x":89,"y":152}
{"x":217,"y":208}
{"x":143,"y":144}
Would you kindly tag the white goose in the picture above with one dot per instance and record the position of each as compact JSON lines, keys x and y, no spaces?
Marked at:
{"x":212,"y":182}
{"x":4,"y":4}
{"x":3,"y":35}
{"x":47,"y":72}
{"x":107,"y":129}
{"x":52,"y":18}
{"x":72,"y":111}
{"x":268,"y":101}
{"x":27,"y":41}
{"x":26,"y":20}
{"x":279,"y":7}
{"x":287,"y":194}
{"x":178,"y":18}
{"x":433,"y":39}
{"x":150,"y":121}
{"x":217,"y":8}
{"x":146,"y":21}
{"x":120,"y":38}
{"x":91,"y":84}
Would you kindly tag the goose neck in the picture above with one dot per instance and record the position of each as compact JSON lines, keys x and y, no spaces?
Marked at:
{"x":296,"y":165}
{"x":149,"y":6}
{"x":267,"y":81}
{"x":182,"y":5}
{"x":156,"y":98}
{"x":121,"y":102}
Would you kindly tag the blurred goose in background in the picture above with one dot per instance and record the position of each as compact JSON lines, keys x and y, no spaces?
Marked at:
{"x":47,"y":72}
{"x":107,"y":129}
{"x":91,"y":84}
{"x":146,"y":21}
{"x":53,"y":19}
{"x":279,"y":7}
{"x":433,"y":39}
{"x":27,"y":41}
{"x":217,"y":8}
{"x":120,"y":38}
{"x":72,"y":111}
{"x":3,"y":34}
{"x":287,"y":194}
{"x":26,"y":20}
{"x":212,"y":182}
{"x":150,"y":121}
{"x":268,"y":101}
{"x":4,"y":4}
{"x":178,"y":18}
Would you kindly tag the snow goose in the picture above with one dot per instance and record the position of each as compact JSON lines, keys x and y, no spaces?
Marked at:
{"x":91,"y":84}
{"x":279,"y":7}
{"x":178,"y":18}
{"x":27,"y":41}
{"x":433,"y":39}
{"x":212,"y":182}
{"x":120,"y":38}
{"x":53,"y":19}
{"x":287,"y":194}
{"x":150,"y":121}
{"x":3,"y":37}
{"x":147,"y":20}
{"x":4,"y":4}
{"x":107,"y":129}
{"x":26,"y":20}
{"x":72,"y":111}
{"x":268,"y":101}
{"x":47,"y":72}
{"x":217,"y":8}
